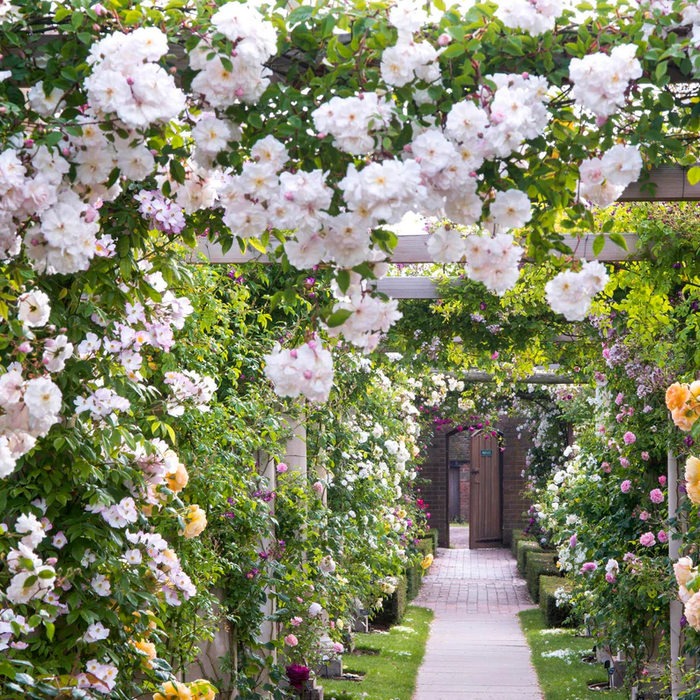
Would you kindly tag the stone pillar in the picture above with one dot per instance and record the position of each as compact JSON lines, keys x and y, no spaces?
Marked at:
{"x":676,"y":606}
{"x":295,"y":453}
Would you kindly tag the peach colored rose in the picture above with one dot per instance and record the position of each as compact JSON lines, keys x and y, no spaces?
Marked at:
{"x":178,"y":479}
{"x":172,"y":690}
{"x":683,"y":569}
{"x":196,"y":522}
{"x":692,"y":611}
{"x":676,"y":396}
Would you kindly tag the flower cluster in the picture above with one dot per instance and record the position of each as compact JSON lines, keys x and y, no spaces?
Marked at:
{"x":189,"y":387}
{"x":534,"y":17}
{"x":571,"y":293}
{"x":604,"y":179}
{"x":601,"y":80}
{"x":306,"y":370}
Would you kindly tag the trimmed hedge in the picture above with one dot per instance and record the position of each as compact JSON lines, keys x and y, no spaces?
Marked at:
{"x":414,"y":574}
{"x":392,"y":612}
{"x":518,"y":536}
{"x":432,"y":534}
{"x":524,"y":547}
{"x":555,"y":616}
{"x":538,"y":564}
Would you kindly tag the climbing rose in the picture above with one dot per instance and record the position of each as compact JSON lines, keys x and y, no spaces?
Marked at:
{"x":290,"y":640}
{"x":625,"y":486}
{"x":589,"y":566}
{"x":647,"y":539}
{"x":662,"y":536}
{"x":657,"y":496}
{"x":629,"y":437}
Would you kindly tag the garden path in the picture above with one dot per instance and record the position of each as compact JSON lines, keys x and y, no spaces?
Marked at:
{"x":476,"y":649}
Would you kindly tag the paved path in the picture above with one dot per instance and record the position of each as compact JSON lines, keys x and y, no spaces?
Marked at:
{"x":476,"y":649}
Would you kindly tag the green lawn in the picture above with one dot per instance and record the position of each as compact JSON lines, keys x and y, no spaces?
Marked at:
{"x":390,"y":674}
{"x":556,"y":655}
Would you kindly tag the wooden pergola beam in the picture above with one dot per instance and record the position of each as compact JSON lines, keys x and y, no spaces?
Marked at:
{"x":477,"y":377}
{"x":414,"y":249}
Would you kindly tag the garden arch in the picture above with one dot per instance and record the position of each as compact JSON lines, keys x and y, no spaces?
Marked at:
{"x":99,"y":97}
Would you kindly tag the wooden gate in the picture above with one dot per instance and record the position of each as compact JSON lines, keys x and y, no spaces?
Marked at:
{"x":486,"y":500}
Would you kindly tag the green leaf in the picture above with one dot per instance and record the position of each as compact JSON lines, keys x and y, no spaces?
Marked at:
{"x":343,"y":279}
{"x":338,"y":318}
{"x":619,"y":239}
{"x":177,"y":171}
{"x":694,"y":175}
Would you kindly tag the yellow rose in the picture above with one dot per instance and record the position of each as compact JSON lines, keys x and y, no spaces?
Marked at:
{"x":172,"y":690}
{"x":427,"y":561}
{"x":147,"y":648}
{"x":178,"y":479}
{"x":684,"y":418}
{"x":692,"y":470}
{"x":683,"y":569}
{"x":202,"y":690}
{"x":676,"y":396}
{"x":693,"y":491}
{"x":196,"y":522}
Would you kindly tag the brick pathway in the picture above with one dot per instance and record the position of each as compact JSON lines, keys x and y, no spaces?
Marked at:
{"x":476,"y":649}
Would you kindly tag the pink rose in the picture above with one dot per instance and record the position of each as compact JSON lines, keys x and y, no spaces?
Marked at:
{"x":644,"y":515}
{"x":610,"y":577}
{"x":296,"y":621}
{"x":629,"y":438}
{"x":590,"y":566}
{"x":663,"y":537}
{"x":645,"y":456}
{"x":657,"y":496}
{"x":662,"y":480}
{"x":624,"y":461}
{"x":338,"y":648}
{"x":317,"y":487}
{"x":647,"y":539}
{"x":282,"y":468}
{"x":625,"y":486}
{"x":291,"y":641}
{"x":572,"y":541}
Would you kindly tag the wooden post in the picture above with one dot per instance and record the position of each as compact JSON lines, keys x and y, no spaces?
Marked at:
{"x":676,"y":606}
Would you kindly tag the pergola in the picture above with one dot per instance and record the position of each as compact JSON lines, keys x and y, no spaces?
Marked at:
{"x":661,"y":184}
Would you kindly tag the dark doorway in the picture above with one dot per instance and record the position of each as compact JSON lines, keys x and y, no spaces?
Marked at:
{"x":486,"y":511}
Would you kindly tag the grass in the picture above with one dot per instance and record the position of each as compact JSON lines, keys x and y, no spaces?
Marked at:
{"x":391,"y":673}
{"x":563,"y":677}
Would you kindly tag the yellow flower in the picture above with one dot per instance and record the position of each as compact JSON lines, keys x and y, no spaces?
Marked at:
{"x":178,"y":479}
{"x":147,"y":648}
{"x":427,"y":561}
{"x":196,"y":522}
{"x":676,"y":396}
{"x":172,"y":690}
{"x":692,"y":470}
{"x":202,"y":690}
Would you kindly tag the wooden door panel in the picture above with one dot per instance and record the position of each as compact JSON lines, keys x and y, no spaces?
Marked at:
{"x":485,"y":521}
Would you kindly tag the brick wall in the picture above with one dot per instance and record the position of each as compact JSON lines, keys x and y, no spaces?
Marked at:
{"x":514,"y":501}
{"x":434,"y":493}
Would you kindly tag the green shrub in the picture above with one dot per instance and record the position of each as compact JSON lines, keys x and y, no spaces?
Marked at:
{"x":391,"y":613}
{"x":432,"y":534}
{"x":518,"y":536}
{"x":555,"y":616}
{"x":538,"y":564}
{"x":525,"y":546}
{"x":414,"y":574}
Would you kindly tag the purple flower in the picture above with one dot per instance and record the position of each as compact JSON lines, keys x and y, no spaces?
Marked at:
{"x":297,"y":675}
{"x":572,"y":541}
